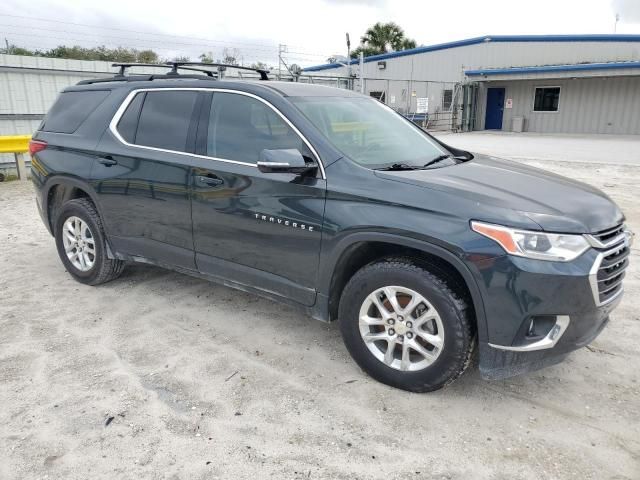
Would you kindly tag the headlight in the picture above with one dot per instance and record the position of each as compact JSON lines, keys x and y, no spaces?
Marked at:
{"x":538,"y":245}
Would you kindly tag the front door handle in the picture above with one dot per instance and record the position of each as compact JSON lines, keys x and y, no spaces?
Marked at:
{"x":208,"y":181}
{"x":107,"y":161}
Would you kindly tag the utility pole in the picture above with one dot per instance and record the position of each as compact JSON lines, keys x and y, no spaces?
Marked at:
{"x":361,"y":72}
{"x":615,"y":25}
{"x":6,"y":42}
{"x":349,"y":57}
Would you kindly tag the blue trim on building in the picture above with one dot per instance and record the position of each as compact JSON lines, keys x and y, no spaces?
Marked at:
{"x":553,"y":68}
{"x":487,"y":38}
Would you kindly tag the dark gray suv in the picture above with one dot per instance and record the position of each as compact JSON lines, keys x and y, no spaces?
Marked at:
{"x":328,"y":200}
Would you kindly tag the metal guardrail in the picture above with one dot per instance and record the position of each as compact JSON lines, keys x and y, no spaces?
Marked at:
{"x":18,"y":145}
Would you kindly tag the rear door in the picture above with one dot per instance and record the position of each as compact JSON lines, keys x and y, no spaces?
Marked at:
{"x":257,"y":229}
{"x":142,"y":176}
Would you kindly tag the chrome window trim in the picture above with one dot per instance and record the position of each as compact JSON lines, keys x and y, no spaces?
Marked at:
{"x":123,"y":107}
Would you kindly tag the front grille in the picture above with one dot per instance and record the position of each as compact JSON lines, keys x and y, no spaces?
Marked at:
{"x":608,"y":237}
{"x":610,"y":266}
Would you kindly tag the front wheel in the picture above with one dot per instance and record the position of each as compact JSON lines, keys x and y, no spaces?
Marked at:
{"x":81,"y":244}
{"x":405,"y":326}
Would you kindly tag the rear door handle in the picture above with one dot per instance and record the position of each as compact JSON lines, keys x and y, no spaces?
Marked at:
{"x":208,"y":181}
{"x":107,"y":161}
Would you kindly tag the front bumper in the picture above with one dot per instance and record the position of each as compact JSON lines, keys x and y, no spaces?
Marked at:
{"x":538,"y":311}
{"x":497,"y":363}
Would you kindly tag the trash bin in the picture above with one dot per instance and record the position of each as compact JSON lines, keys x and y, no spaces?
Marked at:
{"x":517,"y":124}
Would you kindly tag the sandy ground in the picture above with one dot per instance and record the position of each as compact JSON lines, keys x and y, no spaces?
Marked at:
{"x":159,"y":375}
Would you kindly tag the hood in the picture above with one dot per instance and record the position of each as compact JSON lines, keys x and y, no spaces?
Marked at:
{"x":556,"y":203}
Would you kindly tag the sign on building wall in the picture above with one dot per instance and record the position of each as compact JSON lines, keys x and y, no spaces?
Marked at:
{"x":509,"y":103}
{"x":422,"y":105}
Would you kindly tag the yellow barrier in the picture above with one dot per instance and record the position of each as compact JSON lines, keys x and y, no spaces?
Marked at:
{"x":14,"y":143}
{"x":18,"y":145}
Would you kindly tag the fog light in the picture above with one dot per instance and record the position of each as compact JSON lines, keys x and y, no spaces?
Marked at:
{"x":540,"y":326}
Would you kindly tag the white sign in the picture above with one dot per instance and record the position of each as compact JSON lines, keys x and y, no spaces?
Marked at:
{"x":509,"y":103}
{"x":393,"y":99}
{"x":422,"y":105}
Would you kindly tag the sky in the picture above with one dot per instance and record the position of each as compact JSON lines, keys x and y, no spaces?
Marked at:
{"x":312,"y":30}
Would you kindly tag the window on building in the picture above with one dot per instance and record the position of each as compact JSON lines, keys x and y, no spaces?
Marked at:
{"x":165,"y":119}
{"x":240,"y":127}
{"x":546,"y":99}
{"x":378,"y":95}
{"x":447,"y":98}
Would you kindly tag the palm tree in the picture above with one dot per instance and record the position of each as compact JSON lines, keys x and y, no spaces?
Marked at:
{"x":383,"y":38}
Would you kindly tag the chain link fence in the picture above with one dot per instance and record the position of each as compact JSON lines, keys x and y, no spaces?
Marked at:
{"x":437,"y":106}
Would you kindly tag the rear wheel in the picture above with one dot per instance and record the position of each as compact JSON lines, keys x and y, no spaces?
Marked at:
{"x":405,"y":326}
{"x":81,"y":244}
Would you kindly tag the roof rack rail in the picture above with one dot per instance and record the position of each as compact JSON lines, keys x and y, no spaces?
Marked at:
{"x":172,"y":73}
{"x":124,"y":66}
{"x":176,"y":65}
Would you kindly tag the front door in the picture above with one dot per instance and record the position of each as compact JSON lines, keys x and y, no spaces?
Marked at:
{"x":256,"y":229}
{"x":495,"y":109}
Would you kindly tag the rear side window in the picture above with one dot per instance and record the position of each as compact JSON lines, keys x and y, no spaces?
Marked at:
{"x":71,"y":109}
{"x":128,"y":124}
{"x":164,"y":120}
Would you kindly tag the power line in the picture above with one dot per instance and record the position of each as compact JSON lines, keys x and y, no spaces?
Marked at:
{"x":93,"y":26}
{"x":166,"y":51}
{"x":128,"y":39}
{"x":146,"y":45}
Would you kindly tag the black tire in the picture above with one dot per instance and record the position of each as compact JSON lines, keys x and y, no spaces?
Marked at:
{"x":104,"y":269}
{"x":454,"y":313}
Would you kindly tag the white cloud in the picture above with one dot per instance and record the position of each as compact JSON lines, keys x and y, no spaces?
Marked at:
{"x":629,"y":10}
{"x":312,"y":29}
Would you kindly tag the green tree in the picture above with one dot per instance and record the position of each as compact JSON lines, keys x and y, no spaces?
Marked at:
{"x":206,"y":57}
{"x":15,"y":50}
{"x":76,"y":52}
{"x":147,"y":56}
{"x":383,"y":38}
{"x":230,"y":56}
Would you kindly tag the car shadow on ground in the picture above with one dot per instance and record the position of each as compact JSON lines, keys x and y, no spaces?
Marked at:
{"x":204,"y":296}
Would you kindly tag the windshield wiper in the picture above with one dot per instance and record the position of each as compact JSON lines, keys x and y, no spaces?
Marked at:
{"x":437,"y":159}
{"x":400,"y":166}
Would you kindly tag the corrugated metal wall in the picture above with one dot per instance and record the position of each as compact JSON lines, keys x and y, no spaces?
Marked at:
{"x":587,"y":105}
{"x":448,"y":65}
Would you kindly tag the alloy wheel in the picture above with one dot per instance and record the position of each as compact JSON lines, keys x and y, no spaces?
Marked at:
{"x":401,"y":328}
{"x":79,"y":243}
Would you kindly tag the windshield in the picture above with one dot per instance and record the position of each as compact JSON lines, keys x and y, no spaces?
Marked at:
{"x":368,"y":132}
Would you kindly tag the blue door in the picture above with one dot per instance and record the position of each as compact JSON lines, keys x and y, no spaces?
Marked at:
{"x":495,"y":107}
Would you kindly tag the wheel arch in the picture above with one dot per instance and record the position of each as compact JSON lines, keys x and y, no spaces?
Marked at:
{"x":360,"y":249}
{"x":59,"y":189}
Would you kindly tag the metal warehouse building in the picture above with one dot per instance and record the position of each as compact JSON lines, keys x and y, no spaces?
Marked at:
{"x":551,"y":83}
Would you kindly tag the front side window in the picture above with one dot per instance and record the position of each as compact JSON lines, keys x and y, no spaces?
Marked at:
{"x":367,"y":132}
{"x":546,"y":99}
{"x":159,"y":119}
{"x":240,"y":127}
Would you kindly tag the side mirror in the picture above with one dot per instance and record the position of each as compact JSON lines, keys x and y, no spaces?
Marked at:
{"x":283,"y":161}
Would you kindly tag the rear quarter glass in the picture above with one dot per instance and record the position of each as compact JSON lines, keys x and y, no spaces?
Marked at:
{"x":71,"y":109}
